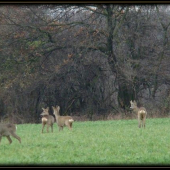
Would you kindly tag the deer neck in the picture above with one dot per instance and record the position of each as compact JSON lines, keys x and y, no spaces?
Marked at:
{"x":136,"y":109}
{"x":56,"y":114}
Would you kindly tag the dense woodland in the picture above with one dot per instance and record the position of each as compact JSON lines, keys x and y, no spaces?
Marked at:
{"x":90,"y":59}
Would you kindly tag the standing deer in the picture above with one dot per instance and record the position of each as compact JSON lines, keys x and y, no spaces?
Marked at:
{"x":7,"y":129}
{"x":62,"y":120}
{"x":141,"y":111}
{"x":47,"y":119}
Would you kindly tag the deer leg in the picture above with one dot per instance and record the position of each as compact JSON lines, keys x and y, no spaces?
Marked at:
{"x":144,"y":119}
{"x":52,"y":128}
{"x":139,"y":125}
{"x":43,"y":127}
{"x":139,"y":121}
{"x":69,"y":126}
{"x":47,"y":128}
{"x":60,"y":128}
{"x":9,"y":139}
{"x":16,"y":136}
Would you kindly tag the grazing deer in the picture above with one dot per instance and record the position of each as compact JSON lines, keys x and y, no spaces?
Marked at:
{"x":141,"y":111}
{"x":62,"y":120}
{"x":7,"y":129}
{"x":47,"y":119}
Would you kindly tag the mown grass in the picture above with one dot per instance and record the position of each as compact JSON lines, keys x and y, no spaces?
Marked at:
{"x":91,"y":143}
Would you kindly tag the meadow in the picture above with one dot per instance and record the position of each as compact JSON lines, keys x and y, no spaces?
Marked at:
{"x":90,"y":143}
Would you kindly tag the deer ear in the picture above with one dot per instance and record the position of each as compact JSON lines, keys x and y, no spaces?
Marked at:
{"x":58,"y":108}
{"x":42,"y":108}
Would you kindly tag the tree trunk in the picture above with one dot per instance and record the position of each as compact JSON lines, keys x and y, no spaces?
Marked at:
{"x":125,"y":91}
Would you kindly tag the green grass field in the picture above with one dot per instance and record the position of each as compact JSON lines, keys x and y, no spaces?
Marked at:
{"x":91,"y":143}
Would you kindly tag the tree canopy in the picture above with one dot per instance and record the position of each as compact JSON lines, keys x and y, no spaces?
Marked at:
{"x":86,"y":58}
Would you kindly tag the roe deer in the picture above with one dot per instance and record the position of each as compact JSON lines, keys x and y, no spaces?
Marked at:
{"x":62,"y":120}
{"x":47,"y":119}
{"x":141,"y":111}
{"x":7,"y":129}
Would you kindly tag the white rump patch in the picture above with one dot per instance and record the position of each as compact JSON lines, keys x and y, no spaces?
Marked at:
{"x":44,"y":119}
{"x":142,"y":111}
{"x":71,"y":120}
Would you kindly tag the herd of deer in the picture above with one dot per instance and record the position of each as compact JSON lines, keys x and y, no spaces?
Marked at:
{"x":61,"y":120}
{"x":9,"y":129}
